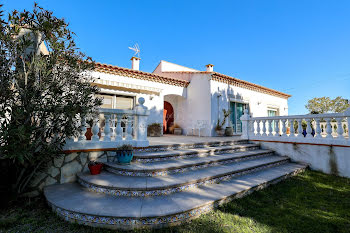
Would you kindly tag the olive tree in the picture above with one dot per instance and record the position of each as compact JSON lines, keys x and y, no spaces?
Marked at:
{"x":45,"y":87}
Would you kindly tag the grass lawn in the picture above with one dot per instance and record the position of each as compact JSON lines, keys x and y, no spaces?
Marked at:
{"x":309,"y":202}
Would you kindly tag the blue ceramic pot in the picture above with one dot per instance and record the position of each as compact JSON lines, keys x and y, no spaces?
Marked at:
{"x":124,"y":156}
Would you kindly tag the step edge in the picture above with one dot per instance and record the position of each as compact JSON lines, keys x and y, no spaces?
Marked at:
{"x":195,"y":182}
{"x":201,"y":209}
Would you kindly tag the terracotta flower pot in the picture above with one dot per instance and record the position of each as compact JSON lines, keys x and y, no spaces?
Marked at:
{"x":95,"y":169}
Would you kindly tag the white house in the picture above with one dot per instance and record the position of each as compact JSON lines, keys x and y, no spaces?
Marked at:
{"x":182,"y":95}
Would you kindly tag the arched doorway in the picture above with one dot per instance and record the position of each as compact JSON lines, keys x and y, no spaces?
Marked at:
{"x":168,"y":116}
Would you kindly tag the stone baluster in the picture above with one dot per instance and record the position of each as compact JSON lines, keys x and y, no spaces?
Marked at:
{"x":300,"y":128}
{"x":83,"y":129}
{"x":340,"y":129}
{"x":113,"y":128}
{"x":258,"y":130}
{"x":284,"y":128}
{"x":264,"y":128}
{"x":107,"y":129}
{"x":269,"y":124}
{"x":329,"y":128}
{"x":119,"y":129}
{"x":128,"y":129}
{"x":308,"y":128}
{"x":292,"y":130}
{"x":95,"y":129}
{"x":318,"y":130}
{"x":277,"y":127}
{"x":251,"y":127}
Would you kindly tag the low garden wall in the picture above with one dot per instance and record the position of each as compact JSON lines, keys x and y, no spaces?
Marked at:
{"x":64,"y":168}
{"x":330,"y":159}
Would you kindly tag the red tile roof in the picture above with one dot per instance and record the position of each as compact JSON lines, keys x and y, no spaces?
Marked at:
{"x":139,"y":75}
{"x":247,"y":85}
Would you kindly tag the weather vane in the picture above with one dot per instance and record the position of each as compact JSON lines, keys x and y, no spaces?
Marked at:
{"x":136,"y":49}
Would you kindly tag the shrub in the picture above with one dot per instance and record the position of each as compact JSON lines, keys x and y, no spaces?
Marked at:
{"x":42,"y":95}
{"x":154,"y":129}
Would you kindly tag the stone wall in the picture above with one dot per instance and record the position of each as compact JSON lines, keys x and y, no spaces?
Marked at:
{"x":64,"y":168}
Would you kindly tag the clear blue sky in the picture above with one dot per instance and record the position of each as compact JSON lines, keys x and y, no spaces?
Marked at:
{"x":301,"y":47}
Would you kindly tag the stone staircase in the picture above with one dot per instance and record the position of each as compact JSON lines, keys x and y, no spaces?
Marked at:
{"x":168,"y":185}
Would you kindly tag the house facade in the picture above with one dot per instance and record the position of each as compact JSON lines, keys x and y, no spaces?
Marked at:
{"x":175,"y":94}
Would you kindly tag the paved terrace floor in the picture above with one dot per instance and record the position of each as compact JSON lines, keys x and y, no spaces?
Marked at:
{"x":169,"y":139}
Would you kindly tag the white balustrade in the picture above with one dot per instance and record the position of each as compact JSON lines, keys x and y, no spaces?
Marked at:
{"x":112,"y":128}
{"x":329,"y":128}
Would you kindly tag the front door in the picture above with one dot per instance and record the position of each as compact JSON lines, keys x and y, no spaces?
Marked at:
{"x":237,"y":110}
{"x":168,"y":116}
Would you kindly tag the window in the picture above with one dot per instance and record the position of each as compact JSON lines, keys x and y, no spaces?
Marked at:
{"x":117,"y":101}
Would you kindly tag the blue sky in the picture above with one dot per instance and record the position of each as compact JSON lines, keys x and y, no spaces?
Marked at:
{"x":296,"y":46}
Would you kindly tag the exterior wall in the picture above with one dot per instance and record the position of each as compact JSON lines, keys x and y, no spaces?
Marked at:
{"x":154,"y":102}
{"x":328,"y":159}
{"x":258,"y":102}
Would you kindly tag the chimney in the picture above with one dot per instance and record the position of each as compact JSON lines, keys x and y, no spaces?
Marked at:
{"x":135,"y":64}
{"x":210,"y":68}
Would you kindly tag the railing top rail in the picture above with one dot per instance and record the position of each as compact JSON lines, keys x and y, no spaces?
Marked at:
{"x":116,"y":111}
{"x":309,"y":116}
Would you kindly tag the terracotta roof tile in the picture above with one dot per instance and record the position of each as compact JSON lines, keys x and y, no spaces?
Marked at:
{"x":247,"y":85}
{"x":139,"y":75}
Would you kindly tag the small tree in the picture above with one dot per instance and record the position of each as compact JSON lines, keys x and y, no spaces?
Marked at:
{"x":327,"y":105}
{"x":42,"y":96}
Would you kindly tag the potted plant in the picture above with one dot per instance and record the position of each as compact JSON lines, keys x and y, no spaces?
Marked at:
{"x":176,"y":129}
{"x":219,"y":126}
{"x":95,"y":167}
{"x":219,"y":130}
{"x":124,"y":154}
{"x":154,"y":130}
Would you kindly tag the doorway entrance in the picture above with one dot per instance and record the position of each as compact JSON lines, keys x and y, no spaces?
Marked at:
{"x":168,"y":116}
{"x":237,"y":110}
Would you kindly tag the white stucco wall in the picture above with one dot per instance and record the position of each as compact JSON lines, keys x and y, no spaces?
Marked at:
{"x":154,"y":102}
{"x":328,"y":159}
{"x":258,"y":102}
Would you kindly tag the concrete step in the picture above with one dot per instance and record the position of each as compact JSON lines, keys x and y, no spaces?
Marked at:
{"x":163,"y":168}
{"x":182,"y":153}
{"x":119,"y":185}
{"x":76,"y":204}
{"x":176,"y":146}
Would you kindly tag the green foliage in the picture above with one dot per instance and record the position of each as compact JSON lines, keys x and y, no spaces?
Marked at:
{"x":154,"y":128}
{"x":125,"y":147}
{"x":42,"y":94}
{"x":309,"y":202}
{"x":327,"y":105}
{"x":220,"y":125}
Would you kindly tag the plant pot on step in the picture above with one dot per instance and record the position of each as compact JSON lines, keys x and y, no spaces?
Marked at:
{"x":220,"y":132}
{"x":95,"y":167}
{"x":177,"y":131}
{"x":124,"y":154}
{"x":229,"y":131}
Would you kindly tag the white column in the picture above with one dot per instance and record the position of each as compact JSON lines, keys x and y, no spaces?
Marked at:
{"x":340,"y":129}
{"x":318,"y":128}
{"x":128,"y":128}
{"x":284,"y":128}
{"x":292,"y":130}
{"x":95,"y":129}
{"x":308,"y":129}
{"x":264,"y":134}
{"x":277,"y":127}
{"x":82,"y":136}
{"x":269,"y":124}
{"x":329,"y":128}
{"x":258,"y":130}
{"x":119,"y":130}
{"x":140,"y":126}
{"x":300,"y":128}
{"x":107,"y":128}
{"x":245,"y":124}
